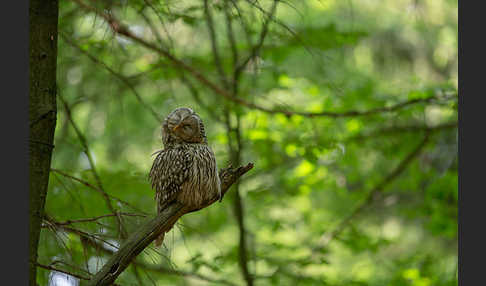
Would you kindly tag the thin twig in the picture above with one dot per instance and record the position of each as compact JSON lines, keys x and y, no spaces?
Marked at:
{"x":62,"y":271}
{"x":401,"y":129}
{"x":162,"y":23}
{"x":214,"y":45}
{"x":150,"y":230}
{"x":97,"y":218}
{"x":69,"y":265}
{"x":195,"y":95}
{"x":121,"y":29}
{"x":230,"y":35}
{"x":137,"y":274}
{"x":160,"y":269}
{"x":151,"y":25}
{"x":243,"y":22}
{"x":84,"y":144}
{"x":86,"y":150}
{"x":256,"y":49}
{"x":117,"y":75}
{"x":50,"y":223}
{"x":165,"y":270}
{"x":97,"y":189}
{"x":239,"y":209}
{"x":326,"y":238}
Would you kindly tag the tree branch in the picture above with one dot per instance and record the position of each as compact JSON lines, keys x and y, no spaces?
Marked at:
{"x":230,"y":35}
{"x":214,"y":45}
{"x":160,"y":269}
{"x":48,"y":267}
{"x":256,"y":49}
{"x":97,"y":189}
{"x":117,"y":75}
{"x":86,"y":150}
{"x":326,"y":238}
{"x":53,"y":225}
{"x":122,"y":30}
{"x":150,"y":230}
{"x":184,"y":274}
{"x":400,"y":130}
{"x":91,"y":219}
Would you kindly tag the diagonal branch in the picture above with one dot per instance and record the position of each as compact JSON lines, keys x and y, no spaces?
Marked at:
{"x":394,"y":130}
{"x":48,"y":267}
{"x":326,"y":238}
{"x":150,"y":230}
{"x":184,"y":274}
{"x":230,"y":34}
{"x":117,"y":75}
{"x":256,"y":49}
{"x":86,"y":150}
{"x":160,"y":269}
{"x":121,"y":29}
{"x":97,"y":189}
{"x":92,"y":219}
{"x":214,"y":45}
{"x":52,"y":224}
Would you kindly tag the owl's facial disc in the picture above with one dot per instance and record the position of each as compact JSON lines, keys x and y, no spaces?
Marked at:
{"x":177,"y":116}
{"x":188,"y":129}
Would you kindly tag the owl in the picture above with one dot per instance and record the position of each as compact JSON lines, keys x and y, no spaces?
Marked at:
{"x":185,"y":170}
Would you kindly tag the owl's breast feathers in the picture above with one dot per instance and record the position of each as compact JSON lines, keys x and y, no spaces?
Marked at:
{"x":186,"y":173}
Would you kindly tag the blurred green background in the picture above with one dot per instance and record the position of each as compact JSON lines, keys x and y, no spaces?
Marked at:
{"x":389,"y":195}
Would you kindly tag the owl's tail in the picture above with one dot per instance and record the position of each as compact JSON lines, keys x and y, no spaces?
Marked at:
{"x":159,"y":240}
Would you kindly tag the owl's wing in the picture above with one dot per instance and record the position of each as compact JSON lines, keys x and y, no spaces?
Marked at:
{"x":169,"y":171}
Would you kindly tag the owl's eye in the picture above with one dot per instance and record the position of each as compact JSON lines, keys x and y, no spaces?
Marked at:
{"x":187,"y":128}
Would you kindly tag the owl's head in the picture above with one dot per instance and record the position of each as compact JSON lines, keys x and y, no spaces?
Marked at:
{"x":183,"y":125}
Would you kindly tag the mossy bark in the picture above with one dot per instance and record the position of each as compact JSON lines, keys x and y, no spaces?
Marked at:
{"x":43,"y":17}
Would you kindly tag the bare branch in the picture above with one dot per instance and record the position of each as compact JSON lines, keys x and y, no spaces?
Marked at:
{"x":117,"y":75}
{"x":329,"y":236}
{"x":184,"y":274}
{"x":238,"y":204}
{"x":214,"y":45}
{"x":154,"y":268}
{"x":121,"y":29}
{"x":195,"y":95}
{"x":86,"y":151}
{"x":150,"y":230}
{"x":84,"y":143}
{"x":151,"y":25}
{"x":256,"y":49}
{"x":162,"y":23}
{"x":48,"y":267}
{"x":243,"y":23}
{"x":52,"y":224}
{"x":230,"y":35}
{"x":92,"y":219}
{"x":401,"y":129}
{"x":97,"y":189}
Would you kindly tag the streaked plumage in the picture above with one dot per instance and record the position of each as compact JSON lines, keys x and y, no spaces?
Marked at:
{"x":185,"y":170}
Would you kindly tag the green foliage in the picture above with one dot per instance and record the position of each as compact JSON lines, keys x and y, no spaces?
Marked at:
{"x":310,"y":172}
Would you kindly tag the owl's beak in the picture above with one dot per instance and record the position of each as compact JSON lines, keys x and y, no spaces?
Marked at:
{"x":177,"y":126}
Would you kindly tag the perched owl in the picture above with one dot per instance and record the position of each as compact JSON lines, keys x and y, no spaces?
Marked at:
{"x":185,"y":170}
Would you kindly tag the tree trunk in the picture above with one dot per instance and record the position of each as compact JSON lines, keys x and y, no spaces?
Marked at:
{"x":43,"y":16}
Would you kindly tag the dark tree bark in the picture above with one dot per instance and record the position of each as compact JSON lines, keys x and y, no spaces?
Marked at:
{"x":43,"y":16}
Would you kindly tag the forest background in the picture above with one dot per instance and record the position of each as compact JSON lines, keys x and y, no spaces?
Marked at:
{"x":348,"y":110}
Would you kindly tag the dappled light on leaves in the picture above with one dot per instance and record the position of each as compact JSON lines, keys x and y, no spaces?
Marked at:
{"x":348,"y":110}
